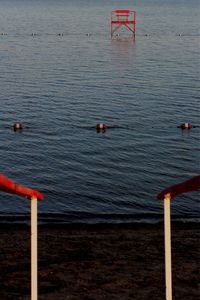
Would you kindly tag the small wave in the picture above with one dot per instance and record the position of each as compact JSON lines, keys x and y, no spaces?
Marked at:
{"x":92,"y":218}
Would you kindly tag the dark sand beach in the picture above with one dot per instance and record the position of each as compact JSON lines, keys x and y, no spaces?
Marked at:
{"x":99,"y":262}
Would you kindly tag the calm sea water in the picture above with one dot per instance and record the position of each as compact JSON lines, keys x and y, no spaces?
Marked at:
{"x":67,"y":77}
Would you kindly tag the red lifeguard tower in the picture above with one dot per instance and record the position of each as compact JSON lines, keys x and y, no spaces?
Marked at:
{"x":123,"y":17}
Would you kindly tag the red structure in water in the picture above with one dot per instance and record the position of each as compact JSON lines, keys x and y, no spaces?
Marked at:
{"x":123,"y":17}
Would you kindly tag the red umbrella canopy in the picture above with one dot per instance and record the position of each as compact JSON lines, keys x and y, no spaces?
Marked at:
{"x":184,"y":187}
{"x":8,"y":186}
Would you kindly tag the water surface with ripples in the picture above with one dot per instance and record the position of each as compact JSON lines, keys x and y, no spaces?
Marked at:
{"x":61,"y":74}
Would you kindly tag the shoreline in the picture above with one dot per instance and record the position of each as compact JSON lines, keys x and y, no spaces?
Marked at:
{"x":99,"y":262}
{"x":188,"y":223}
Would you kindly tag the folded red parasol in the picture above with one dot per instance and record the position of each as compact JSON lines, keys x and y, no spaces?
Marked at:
{"x":184,"y":187}
{"x":8,"y":186}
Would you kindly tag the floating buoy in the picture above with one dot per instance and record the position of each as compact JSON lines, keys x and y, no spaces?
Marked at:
{"x":185,"y":126}
{"x":18,"y":126}
{"x":101,"y":126}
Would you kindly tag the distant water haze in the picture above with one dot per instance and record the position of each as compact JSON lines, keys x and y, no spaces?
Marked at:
{"x":61,"y":74}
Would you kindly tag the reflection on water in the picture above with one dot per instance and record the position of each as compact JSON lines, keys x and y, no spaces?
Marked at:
{"x":123,"y":51}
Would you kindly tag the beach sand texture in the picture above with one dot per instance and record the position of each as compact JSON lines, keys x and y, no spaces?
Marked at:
{"x":99,"y":262}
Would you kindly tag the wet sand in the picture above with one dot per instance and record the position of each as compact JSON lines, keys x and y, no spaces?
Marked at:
{"x":99,"y":262}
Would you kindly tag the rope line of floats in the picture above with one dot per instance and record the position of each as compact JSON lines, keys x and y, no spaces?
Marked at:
{"x":35,"y":34}
{"x":102,"y":127}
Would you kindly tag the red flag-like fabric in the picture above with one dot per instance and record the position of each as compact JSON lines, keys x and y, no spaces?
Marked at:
{"x":8,"y":186}
{"x":184,"y":187}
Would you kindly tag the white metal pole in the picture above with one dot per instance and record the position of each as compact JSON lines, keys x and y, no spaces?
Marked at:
{"x":168,"y":268}
{"x":34,"y":263}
